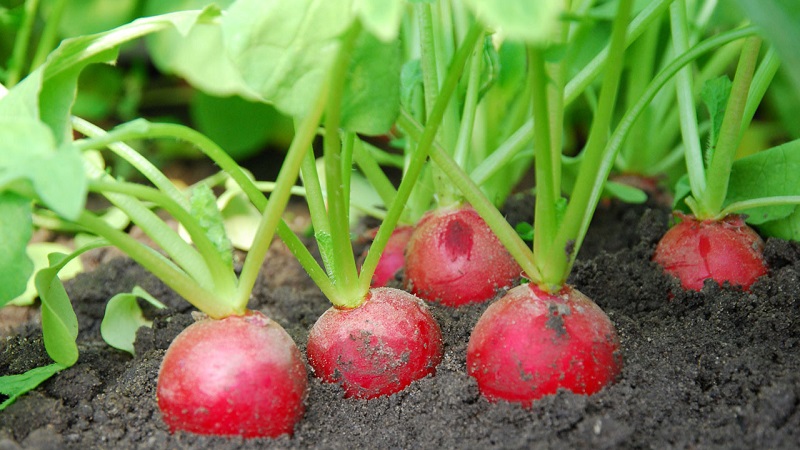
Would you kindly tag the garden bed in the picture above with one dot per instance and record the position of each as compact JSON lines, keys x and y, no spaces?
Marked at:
{"x":714,"y":369}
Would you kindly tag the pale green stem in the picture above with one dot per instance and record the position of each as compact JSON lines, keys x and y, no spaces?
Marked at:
{"x":695,"y":165}
{"x":738,"y":207}
{"x":21,"y":43}
{"x":47,"y":41}
{"x":719,"y":170}
{"x":204,"y":300}
{"x":761,"y":81}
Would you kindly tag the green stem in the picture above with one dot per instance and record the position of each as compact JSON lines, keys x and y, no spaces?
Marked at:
{"x":419,"y":156}
{"x":373,"y":172}
{"x":719,"y":169}
{"x":315,"y":199}
{"x":134,"y":158}
{"x":142,"y":129}
{"x":49,"y":36}
{"x":509,"y":149}
{"x":271,"y":216}
{"x":582,"y":203}
{"x":761,"y":81}
{"x":21,"y":43}
{"x":220,"y":271}
{"x":738,"y":207}
{"x":343,"y":270}
{"x":544,"y":225}
{"x":464,"y":139}
{"x":695,"y":165}
{"x":496,"y":222}
{"x":204,"y":300}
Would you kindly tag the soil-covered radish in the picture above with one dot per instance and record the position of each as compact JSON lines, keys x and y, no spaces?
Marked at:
{"x":378,"y":348}
{"x":455,"y":259}
{"x":241,"y":375}
{"x":393,"y":258}
{"x":722,"y":250}
{"x":530,"y":343}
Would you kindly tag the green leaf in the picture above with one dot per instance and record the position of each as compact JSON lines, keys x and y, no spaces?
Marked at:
{"x":37,"y":252}
{"x":198,"y":56}
{"x":59,"y":323}
{"x":715,"y":95}
{"x":624,"y":192}
{"x":240,"y":126}
{"x":203,"y":206}
{"x":524,"y":20}
{"x":525,"y":231}
{"x":123,"y":317}
{"x":371,"y":101}
{"x":30,"y":157}
{"x":779,"y":21}
{"x":770,"y":173}
{"x":284,"y":50}
{"x":786,"y":228}
{"x":380,"y":17}
{"x":92,"y":16}
{"x":14,"y":386}
{"x":16,"y":228}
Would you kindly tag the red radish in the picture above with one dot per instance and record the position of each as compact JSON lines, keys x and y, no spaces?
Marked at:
{"x":378,"y":348}
{"x":241,"y":375}
{"x":455,"y":259}
{"x":722,"y":250}
{"x":530,"y":343}
{"x":393,"y":257}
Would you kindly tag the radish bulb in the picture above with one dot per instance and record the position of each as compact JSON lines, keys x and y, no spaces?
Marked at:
{"x":455,"y":259}
{"x":377,"y":348}
{"x":241,"y":375}
{"x":722,"y":250}
{"x":531,"y":343}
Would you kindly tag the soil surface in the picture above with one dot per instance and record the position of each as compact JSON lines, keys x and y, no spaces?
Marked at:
{"x":714,"y":369}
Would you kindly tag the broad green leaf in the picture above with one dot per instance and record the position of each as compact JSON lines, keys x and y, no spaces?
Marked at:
{"x":380,"y":17}
{"x":773,"y":172}
{"x":29,"y":155}
{"x":779,"y":21}
{"x":14,"y":386}
{"x":786,"y":228}
{"x":198,"y":56}
{"x":123,"y":317}
{"x":59,"y":323}
{"x":523,"y":20}
{"x":16,"y":227}
{"x":92,"y":16}
{"x":239,"y":126}
{"x":715,"y":95}
{"x":284,"y":50}
{"x":37,"y":252}
{"x":371,"y":99}
{"x":203,"y":206}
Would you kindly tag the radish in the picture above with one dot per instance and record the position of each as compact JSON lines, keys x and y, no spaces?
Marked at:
{"x":454,"y":258}
{"x":531,"y":343}
{"x":378,"y":348}
{"x":241,"y":375}
{"x":393,"y":258}
{"x":722,"y":250}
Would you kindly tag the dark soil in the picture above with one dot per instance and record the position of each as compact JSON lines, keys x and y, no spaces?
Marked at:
{"x":714,"y":369}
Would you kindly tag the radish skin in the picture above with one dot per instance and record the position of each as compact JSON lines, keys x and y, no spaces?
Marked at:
{"x":237,"y":376}
{"x":454,"y":258}
{"x":724,"y":250}
{"x":530,"y":344}
{"x":378,"y":348}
